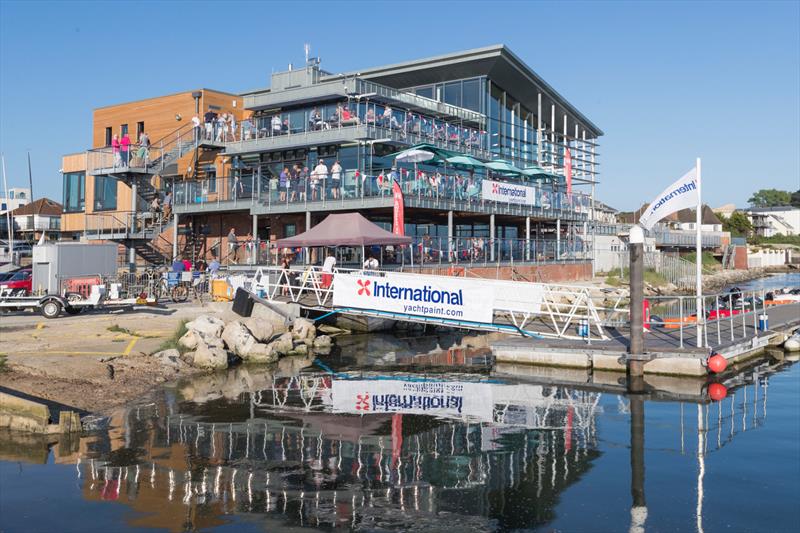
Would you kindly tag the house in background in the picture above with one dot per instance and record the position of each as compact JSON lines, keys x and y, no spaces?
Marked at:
{"x":36,"y":218}
{"x":17,"y":197}
{"x":770,"y":221}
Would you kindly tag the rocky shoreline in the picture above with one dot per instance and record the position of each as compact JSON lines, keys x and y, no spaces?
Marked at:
{"x":718,"y":281}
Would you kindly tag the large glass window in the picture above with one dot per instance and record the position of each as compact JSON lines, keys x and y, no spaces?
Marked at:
{"x":105,"y":193}
{"x":452,"y":93}
{"x":427,"y":92}
{"x":74,"y":191}
{"x":471,"y":94}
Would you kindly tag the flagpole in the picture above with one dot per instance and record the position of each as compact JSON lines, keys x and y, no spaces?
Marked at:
{"x":699,"y":259}
{"x":9,"y":220}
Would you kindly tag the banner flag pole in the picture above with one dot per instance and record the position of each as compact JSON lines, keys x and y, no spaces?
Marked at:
{"x":699,"y":259}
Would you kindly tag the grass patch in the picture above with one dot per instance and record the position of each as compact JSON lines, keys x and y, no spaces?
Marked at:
{"x":709,"y":261}
{"x":651,"y":277}
{"x":172,"y":342}
{"x":116,"y":328}
{"x":3,"y":366}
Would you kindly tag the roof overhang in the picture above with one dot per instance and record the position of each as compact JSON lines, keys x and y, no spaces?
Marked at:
{"x":497,"y":63}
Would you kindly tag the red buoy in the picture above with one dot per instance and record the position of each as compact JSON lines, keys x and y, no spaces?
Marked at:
{"x":717,"y":391}
{"x":716,"y":363}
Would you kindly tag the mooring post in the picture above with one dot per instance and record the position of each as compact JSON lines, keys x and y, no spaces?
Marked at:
{"x":635,"y":359}
{"x":638,"y":504}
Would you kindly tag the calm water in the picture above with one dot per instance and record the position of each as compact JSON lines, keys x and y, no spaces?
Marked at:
{"x":458,"y":445}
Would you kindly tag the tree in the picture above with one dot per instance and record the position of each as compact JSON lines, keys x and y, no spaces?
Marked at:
{"x":738,"y":224}
{"x":770,"y":198}
{"x":795,"y":200}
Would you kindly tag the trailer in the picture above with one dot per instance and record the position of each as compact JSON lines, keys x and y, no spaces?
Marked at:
{"x":51,"y":305}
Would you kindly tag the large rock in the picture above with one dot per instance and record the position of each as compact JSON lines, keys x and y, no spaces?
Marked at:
{"x":259,"y":328}
{"x":322,"y":344}
{"x":208,"y":326}
{"x":301,"y":348}
{"x":303,"y":330}
{"x":279,"y":315}
{"x":190,"y":339}
{"x":170,"y":358}
{"x":261,"y":353}
{"x":283,"y":344}
{"x":210,"y":357}
{"x":238,"y":338}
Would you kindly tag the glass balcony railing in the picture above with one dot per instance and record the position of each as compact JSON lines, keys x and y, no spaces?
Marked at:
{"x":433,"y":190}
{"x":400,"y":124}
{"x":424,"y":252}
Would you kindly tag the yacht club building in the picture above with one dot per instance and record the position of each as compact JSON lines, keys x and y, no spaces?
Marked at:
{"x":495,"y":166}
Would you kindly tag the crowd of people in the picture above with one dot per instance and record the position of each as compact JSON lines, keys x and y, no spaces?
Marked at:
{"x":125,"y":153}
{"x":404,"y":122}
{"x":215,"y":127}
{"x":297,"y":183}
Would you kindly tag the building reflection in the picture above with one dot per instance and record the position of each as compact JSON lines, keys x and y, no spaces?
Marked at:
{"x":292,"y":449}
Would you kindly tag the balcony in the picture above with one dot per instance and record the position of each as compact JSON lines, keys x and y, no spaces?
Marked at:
{"x":255,"y":192}
{"x":331,"y":124}
{"x":353,"y":88}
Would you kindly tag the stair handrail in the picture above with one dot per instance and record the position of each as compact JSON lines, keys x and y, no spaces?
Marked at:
{"x":166,"y":144}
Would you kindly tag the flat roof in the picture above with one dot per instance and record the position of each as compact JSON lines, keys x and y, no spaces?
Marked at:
{"x":166,"y":95}
{"x":495,"y":61}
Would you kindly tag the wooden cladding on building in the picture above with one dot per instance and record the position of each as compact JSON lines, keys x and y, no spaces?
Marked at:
{"x":158,"y":116}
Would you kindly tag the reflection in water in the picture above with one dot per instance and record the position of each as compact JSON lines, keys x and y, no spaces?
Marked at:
{"x":372,"y":451}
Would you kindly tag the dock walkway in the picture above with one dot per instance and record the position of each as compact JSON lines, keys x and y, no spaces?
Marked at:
{"x":673,"y":351}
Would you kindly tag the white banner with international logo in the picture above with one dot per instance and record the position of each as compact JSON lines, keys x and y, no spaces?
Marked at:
{"x":498,"y":191}
{"x":452,"y":399}
{"x":414,"y":294}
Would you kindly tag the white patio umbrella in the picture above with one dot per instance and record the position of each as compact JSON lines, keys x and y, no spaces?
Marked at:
{"x":414,"y":155}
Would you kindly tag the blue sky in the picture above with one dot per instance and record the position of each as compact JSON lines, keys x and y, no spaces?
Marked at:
{"x":666,"y":81}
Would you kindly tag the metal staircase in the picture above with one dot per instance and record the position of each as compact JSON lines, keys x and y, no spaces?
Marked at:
{"x":144,"y":173}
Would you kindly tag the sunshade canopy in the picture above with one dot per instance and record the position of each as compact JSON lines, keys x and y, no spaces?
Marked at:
{"x":502,"y":165}
{"x":465,"y":161}
{"x":347,"y":229}
{"x":538,"y":172}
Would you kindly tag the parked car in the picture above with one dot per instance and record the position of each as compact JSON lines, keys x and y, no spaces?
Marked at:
{"x":20,"y":283}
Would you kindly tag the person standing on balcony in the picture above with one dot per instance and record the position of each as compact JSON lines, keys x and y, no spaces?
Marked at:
{"x":210,"y":118}
{"x":124,"y":149}
{"x":196,"y":128}
{"x":283,"y":182}
{"x":233,"y":245}
{"x":302,"y":182}
{"x":144,"y":148}
{"x":231,"y":127}
{"x":221,"y":127}
{"x":115,"y":151}
{"x":336,"y":179}
{"x":276,"y":125}
{"x":321,"y":172}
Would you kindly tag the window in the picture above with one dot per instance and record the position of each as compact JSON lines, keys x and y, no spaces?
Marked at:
{"x":105,"y":193}
{"x":123,"y":129}
{"x":109,"y":134}
{"x":471,"y":94}
{"x":74,"y":191}
{"x":452,"y":93}
{"x":211,"y":177}
{"x":289,"y":230}
{"x":139,"y":129}
{"x":427,"y":92}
